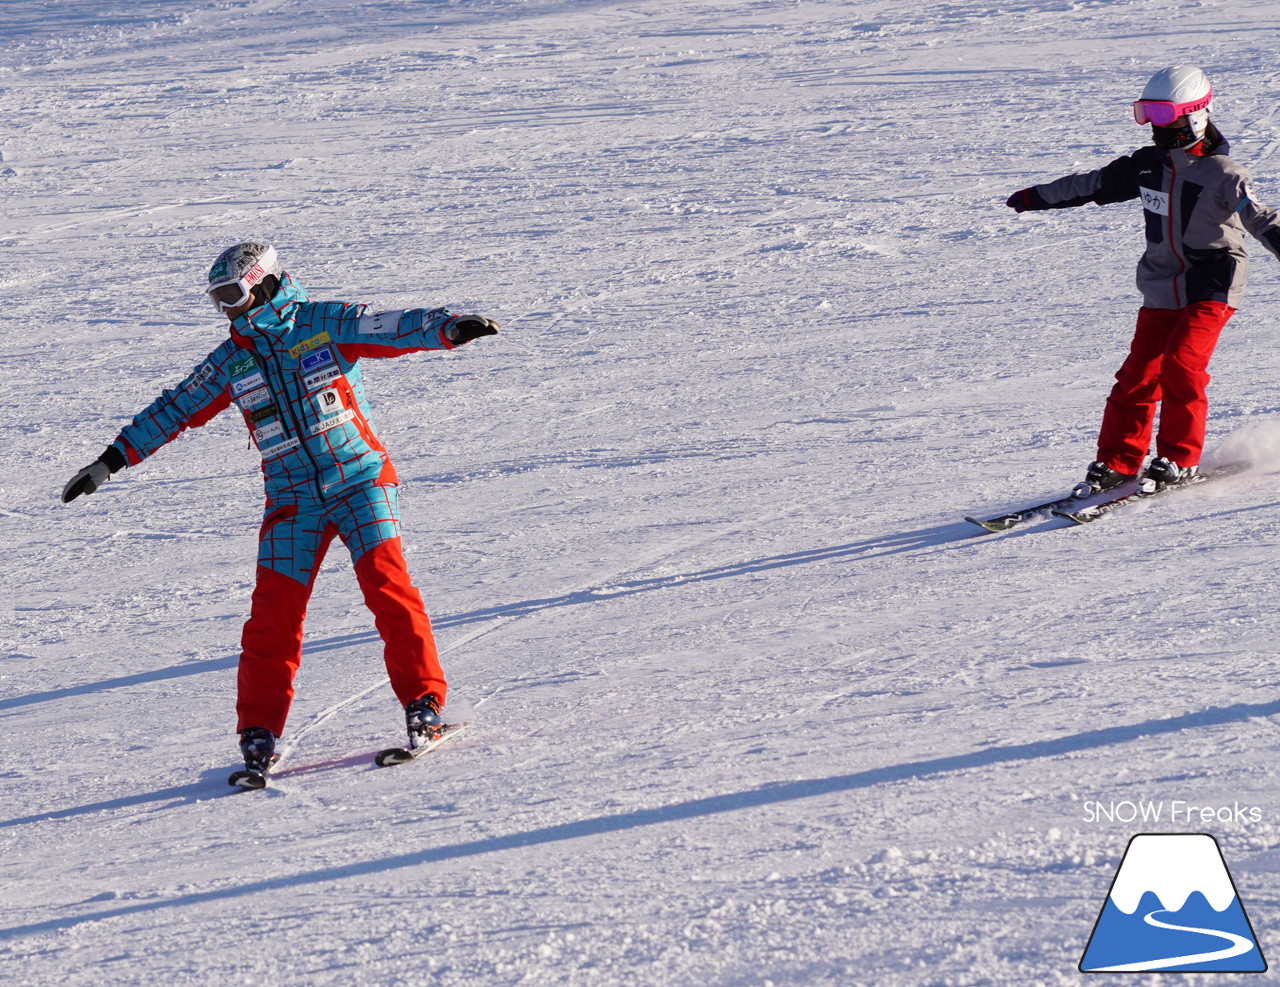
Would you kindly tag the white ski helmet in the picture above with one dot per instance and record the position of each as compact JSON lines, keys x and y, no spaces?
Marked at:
{"x":238,"y":269}
{"x":1173,"y":92}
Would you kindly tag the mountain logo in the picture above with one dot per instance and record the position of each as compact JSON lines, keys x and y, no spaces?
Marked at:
{"x":1173,"y":908}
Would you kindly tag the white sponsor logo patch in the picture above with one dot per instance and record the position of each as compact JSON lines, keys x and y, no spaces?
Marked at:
{"x":328,"y":402}
{"x":272,"y":431}
{"x":1156,"y":202}
{"x":239,"y":387}
{"x":379,"y":324}
{"x":280,"y":447}
{"x":333,"y":422}
{"x":254,"y":398}
{"x":202,"y":376}
{"x":321,"y":377}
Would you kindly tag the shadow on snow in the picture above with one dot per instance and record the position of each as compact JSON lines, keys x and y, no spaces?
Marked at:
{"x":772,"y":794}
{"x":872,"y":548}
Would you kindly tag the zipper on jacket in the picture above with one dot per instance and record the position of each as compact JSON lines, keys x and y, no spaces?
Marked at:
{"x":1182,"y":264}
{"x":293,"y":418}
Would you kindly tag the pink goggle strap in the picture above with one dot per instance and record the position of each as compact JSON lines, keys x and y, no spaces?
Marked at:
{"x":1162,"y":113}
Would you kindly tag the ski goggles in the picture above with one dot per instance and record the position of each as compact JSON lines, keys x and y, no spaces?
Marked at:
{"x":235,"y":292}
{"x":1162,"y":113}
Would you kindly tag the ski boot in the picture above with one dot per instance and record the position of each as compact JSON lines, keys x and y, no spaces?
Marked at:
{"x":423,"y":719}
{"x":1162,"y":473}
{"x":258,"y":745}
{"x":1099,"y":477}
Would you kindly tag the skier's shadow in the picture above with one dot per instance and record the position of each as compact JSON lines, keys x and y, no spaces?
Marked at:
{"x":766,"y":795}
{"x":196,"y":791}
{"x":938,"y":537}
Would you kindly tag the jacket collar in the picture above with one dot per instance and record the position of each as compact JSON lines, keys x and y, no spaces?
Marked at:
{"x":274,"y":319}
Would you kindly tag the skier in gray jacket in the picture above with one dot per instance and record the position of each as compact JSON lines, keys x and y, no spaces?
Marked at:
{"x":1197,"y":203}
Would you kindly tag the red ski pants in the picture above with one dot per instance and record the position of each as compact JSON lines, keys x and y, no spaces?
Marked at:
{"x":1166,"y":366}
{"x":272,"y":639}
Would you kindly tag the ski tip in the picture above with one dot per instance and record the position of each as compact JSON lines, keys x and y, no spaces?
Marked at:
{"x":247,"y":780}
{"x":990,"y":525}
{"x":392,"y":755}
{"x":400,"y":755}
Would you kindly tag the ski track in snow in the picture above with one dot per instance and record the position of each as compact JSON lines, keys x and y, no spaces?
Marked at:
{"x":752,"y":705}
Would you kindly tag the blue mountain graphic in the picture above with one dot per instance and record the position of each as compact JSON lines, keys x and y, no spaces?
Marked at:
{"x":1122,"y":940}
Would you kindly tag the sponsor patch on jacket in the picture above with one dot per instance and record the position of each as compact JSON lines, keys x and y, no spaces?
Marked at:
{"x":307,"y":345}
{"x":254,"y":398}
{"x":263,"y":413}
{"x":328,"y":402}
{"x":202,"y":376}
{"x":316,"y":359}
{"x":279,"y":448}
{"x":245,"y":376}
{"x":321,"y":377}
{"x":267,"y":432}
{"x":1156,"y":202}
{"x":334,"y":422}
{"x":379,"y":324}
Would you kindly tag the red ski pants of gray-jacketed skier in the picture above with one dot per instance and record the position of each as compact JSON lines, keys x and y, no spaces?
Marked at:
{"x":1166,"y":367}
{"x":291,"y":546}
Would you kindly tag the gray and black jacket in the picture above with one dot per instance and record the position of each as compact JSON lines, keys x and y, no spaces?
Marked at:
{"x":1196,"y":208}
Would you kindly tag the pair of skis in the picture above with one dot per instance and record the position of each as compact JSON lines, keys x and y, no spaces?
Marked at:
{"x":1069,"y":507}
{"x":251,"y":780}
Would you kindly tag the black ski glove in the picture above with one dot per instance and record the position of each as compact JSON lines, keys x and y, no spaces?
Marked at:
{"x":94,"y":475}
{"x":86,"y":481}
{"x":468,"y":327}
{"x":1024,"y":199}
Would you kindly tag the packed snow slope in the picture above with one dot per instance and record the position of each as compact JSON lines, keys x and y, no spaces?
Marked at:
{"x":750,"y":702}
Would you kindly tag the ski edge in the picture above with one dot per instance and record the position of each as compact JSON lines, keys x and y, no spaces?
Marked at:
{"x":390,"y":756}
{"x":1005,"y":522}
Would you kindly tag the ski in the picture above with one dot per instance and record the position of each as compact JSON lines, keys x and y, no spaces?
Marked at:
{"x":1003,"y":522}
{"x":1091,"y":513}
{"x":401,"y":755}
{"x":251,"y":780}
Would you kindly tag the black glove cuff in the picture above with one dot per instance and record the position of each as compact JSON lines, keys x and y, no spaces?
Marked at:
{"x":114,"y":459}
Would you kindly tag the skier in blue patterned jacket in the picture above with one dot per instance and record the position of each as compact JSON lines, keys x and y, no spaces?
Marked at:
{"x":292,"y":368}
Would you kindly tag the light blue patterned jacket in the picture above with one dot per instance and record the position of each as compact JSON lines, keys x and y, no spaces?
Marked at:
{"x":292,"y":367}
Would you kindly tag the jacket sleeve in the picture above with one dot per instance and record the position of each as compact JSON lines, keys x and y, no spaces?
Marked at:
{"x":1116,"y":182}
{"x":361,"y":333}
{"x":202,"y":395}
{"x":1262,"y":221}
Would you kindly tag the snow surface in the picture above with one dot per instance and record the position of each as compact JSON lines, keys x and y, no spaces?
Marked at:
{"x":752,"y":704}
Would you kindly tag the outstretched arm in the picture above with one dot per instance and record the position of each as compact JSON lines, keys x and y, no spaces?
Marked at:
{"x":1116,"y":182}
{"x":201,"y":396}
{"x":361,"y":333}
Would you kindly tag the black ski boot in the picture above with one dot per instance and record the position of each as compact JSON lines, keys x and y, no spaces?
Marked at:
{"x":258,"y":745}
{"x":1162,"y":473}
{"x":1099,"y":477}
{"x":423,"y":719}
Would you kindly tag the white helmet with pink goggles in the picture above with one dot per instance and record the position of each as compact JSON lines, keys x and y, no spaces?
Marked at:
{"x":237,"y":270}
{"x":1177,"y":91}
